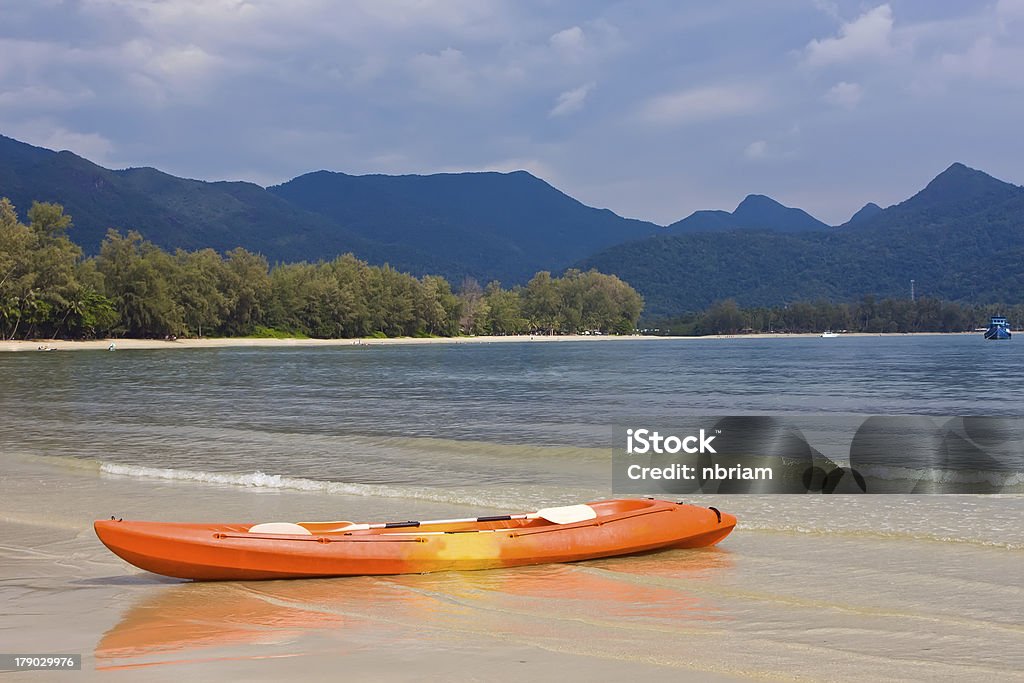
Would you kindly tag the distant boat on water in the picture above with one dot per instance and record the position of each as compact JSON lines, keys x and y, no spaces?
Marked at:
{"x":998,"y":328}
{"x":828,"y":334}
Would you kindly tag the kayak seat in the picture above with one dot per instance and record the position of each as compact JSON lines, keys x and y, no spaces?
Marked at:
{"x":280,"y":528}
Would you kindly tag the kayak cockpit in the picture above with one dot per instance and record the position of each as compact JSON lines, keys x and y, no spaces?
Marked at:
{"x":558,"y":516}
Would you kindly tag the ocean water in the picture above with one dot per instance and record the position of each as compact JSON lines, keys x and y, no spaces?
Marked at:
{"x":491,"y":425}
{"x":836,"y":587}
{"x":332,"y":405}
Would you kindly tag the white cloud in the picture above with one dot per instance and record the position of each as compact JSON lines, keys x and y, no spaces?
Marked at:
{"x":701,"y":104}
{"x":264,"y":89}
{"x":368,"y":70}
{"x":46,"y":133}
{"x":537,"y":167}
{"x":92,"y":146}
{"x":829,"y":7}
{"x":867,"y":36}
{"x":1010,"y":9}
{"x":571,"y":101}
{"x":590,"y":43}
{"x":977,"y":61}
{"x":758,"y":149}
{"x":845,"y":94}
{"x":987,"y":59}
{"x":185,"y":61}
{"x":40,"y":98}
{"x":571,"y":42}
{"x":445,"y":73}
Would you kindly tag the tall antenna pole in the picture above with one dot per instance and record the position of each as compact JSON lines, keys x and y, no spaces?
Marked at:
{"x":911,"y":290}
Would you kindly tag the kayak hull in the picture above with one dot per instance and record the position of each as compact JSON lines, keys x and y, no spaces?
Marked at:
{"x":212,"y":552}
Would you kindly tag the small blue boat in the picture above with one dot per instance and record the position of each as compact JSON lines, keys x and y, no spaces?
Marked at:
{"x":998,"y":328}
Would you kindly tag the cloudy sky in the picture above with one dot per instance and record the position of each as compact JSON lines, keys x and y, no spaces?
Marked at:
{"x":653,"y":109}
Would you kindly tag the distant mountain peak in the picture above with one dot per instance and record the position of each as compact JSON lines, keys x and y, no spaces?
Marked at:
{"x":752,"y":200}
{"x":755,"y":212}
{"x":962,"y":185}
{"x":959,"y":173}
{"x":757,"y":208}
{"x":959,"y":168}
{"x":961,"y":238}
{"x":491,"y":225}
{"x":866,"y":212}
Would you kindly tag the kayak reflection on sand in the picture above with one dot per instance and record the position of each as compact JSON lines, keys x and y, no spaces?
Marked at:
{"x":179,"y":623}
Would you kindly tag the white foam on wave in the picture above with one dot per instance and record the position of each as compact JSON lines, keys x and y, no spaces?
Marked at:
{"x":262,"y":480}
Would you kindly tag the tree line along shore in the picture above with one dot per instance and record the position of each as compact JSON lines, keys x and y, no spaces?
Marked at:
{"x":869,"y":316}
{"x":133,"y":288}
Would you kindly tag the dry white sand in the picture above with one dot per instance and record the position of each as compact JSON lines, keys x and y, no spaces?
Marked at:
{"x":225,"y":342}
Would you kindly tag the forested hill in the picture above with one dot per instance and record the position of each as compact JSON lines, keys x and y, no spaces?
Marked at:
{"x":961,"y":238}
{"x":510,"y":224}
{"x":171,"y":211}
{"x":502,"y":226}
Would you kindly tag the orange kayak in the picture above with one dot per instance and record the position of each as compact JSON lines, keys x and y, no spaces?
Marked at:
{"x":283,"y":550}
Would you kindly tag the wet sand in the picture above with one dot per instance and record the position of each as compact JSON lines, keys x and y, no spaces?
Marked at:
{"x":63,"y":591}
{"x":769,"y":603}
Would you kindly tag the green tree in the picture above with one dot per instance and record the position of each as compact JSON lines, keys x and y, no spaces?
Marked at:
{"x":16,"y":276}
{"x":436,"y":307}
{"x":473,"y":319}
{"x":504,"y":311}
{"x":541,"y":303}
{"x":246,"y":287}
{"x":38,"y":264}
{"x":724,"y":317}
{"x":48,"y":220}
{"x":198,"y":287}
{"x":137,"y":278}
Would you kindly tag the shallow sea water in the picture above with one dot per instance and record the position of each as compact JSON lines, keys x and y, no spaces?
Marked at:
{"x":897,"y":587}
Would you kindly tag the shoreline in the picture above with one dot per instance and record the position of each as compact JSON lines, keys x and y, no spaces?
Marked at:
{"x":256,"y":342}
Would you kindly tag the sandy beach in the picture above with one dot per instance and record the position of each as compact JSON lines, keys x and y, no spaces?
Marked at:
{"x":65,"y":592}
{"x":759,"y":607}
{"x":253,"y":342}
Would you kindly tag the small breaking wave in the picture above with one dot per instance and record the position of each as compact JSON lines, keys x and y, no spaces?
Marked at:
{"x":505,"y":498}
